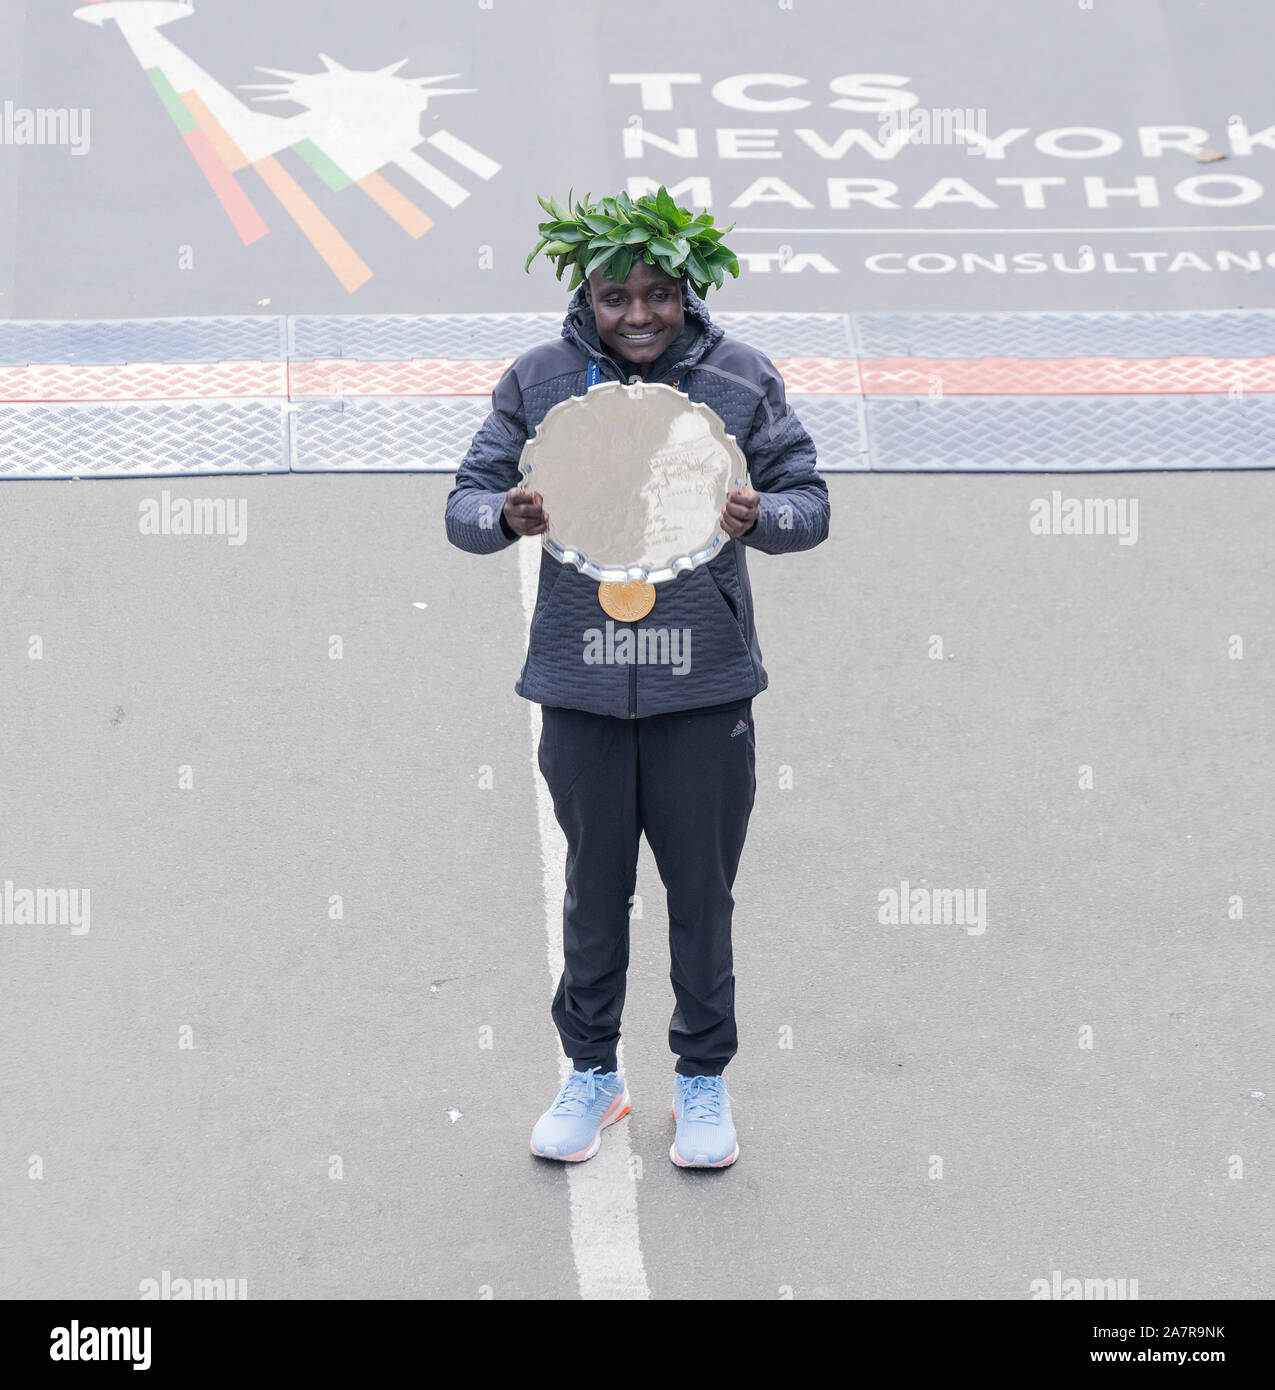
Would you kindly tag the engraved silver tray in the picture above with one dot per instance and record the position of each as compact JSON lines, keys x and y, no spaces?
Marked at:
{"x":634,"y":479}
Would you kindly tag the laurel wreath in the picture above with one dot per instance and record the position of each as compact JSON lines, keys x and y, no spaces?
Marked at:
{"x":618,"y":230}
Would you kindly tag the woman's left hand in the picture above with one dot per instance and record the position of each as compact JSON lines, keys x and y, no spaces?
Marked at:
{"x":740,"y":513}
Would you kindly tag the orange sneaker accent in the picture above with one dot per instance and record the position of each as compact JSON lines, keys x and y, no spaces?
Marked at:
{"x":609,"y":1118}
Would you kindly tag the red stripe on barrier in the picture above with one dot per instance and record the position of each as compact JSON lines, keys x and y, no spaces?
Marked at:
{"x":426,"y":376}
{"x":1073,"y":376}
{"x":812,"y":376}
{"x":891,"y":376}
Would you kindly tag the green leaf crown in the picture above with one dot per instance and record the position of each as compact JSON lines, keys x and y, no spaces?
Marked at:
{"x":613,"y":233}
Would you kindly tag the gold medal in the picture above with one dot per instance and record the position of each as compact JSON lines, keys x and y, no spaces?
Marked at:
{"x":626,"y":603}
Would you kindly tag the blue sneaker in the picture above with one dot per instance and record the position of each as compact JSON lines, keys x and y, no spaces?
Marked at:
{"x":571,"y":1129}
{"x":705,"y":1130}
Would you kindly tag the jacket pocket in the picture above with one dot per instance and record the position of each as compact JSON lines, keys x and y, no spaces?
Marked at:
{"x":733,"y":604}
{"x":543,"y":601}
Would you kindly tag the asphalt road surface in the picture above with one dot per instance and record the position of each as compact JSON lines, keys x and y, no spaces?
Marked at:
{"x":1107,"y":908}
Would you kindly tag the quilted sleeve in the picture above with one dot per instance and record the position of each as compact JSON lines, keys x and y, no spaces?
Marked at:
{"x":781,"y":458}
{"x":474,"y":515}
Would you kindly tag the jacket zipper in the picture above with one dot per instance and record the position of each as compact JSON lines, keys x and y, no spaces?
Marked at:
{"x":657,"y":380}
{"x":633,"y":670}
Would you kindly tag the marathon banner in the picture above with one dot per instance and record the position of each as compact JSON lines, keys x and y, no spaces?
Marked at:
{"x":221,"y":158}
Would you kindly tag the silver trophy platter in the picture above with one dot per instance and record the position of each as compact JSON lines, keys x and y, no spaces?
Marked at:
{"x":634,"y":479}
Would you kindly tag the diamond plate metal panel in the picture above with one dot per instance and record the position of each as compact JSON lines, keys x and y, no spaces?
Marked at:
{"x":433,"y":434}
{"x":384,"y":434}
{"x":1072,"y":434}
{"x":838,"y":426}
{"x":113,"y":367}
{"x":390,"y":337}
{"x":150,"y":439}
{"x":791,"y":335}
{"x":1238,"y":333}
{"x":109,"y":342}
{"x":138,"y":381}
{"x":400,"y":338}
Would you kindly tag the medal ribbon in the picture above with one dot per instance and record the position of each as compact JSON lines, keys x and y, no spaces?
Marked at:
{"x":595,"y":376}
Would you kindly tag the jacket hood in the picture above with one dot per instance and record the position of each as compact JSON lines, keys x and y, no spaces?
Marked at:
{"x":698,"y":337}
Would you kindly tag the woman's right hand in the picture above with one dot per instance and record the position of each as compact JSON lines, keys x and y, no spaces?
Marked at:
{"x":525,"y":513}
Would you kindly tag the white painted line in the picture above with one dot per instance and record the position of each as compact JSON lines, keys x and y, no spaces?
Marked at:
{"x":473,"y":160}
{"x":604,"y":1225}
{"x":437,"y":182}
{"x":999,"y":231}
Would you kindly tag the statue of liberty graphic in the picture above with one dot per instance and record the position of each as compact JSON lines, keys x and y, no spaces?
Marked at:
{"x":355,"y":123}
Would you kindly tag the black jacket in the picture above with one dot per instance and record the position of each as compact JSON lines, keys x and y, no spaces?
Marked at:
{"x":713,"y":604}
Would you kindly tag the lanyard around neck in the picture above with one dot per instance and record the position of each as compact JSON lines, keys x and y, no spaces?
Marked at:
{"x":595,"y":376}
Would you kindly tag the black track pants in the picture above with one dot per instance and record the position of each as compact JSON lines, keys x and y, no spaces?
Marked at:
{"x":688,"y":781}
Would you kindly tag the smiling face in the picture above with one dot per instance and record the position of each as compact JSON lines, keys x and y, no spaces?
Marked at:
{"x":640,"y":317}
